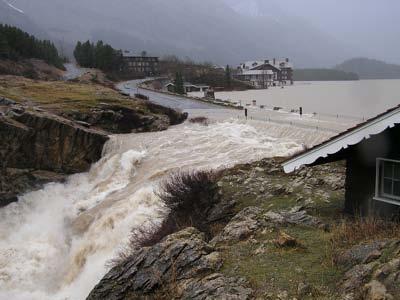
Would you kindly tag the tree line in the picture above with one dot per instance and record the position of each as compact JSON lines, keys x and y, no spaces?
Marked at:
{"x":16,"y":44}
{"x":100,"y":55}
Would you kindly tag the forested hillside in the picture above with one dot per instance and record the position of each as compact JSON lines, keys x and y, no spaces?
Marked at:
{"x":16,"y":44}
{"x":370,"y":68}
{"x":323,"y":75}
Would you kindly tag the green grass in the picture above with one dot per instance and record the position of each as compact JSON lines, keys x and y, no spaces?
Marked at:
{"x":62,"y":96}
{"x":283,"y":269}
{"x":280,"y":269}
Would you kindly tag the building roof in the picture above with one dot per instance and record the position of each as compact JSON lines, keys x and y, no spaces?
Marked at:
{"x":345,"y":139}
{"x":279,"y":64}
{"x":129,"y":53}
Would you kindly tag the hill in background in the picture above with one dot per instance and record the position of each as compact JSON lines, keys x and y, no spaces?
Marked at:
{"x":370,"y":68}
{"x":210,"y":30}
{"x":323,"y":75}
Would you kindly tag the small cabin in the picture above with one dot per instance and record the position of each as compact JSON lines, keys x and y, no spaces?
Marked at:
{"x":188,"y":87}
{"x":372,"y":154}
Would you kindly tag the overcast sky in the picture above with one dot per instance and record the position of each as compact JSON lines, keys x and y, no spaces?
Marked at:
{"x":370,"y":25}
{"x":313,"y":32}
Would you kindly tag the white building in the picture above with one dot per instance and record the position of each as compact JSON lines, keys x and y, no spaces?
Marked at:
{"x":266,"y":73}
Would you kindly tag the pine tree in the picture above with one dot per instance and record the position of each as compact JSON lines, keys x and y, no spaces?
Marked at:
{"x":101,"y":56}
{"x":16,"y":44}
{"x":179,"y":86}
{"x":228,"y":77}
{"x":4,"y":48}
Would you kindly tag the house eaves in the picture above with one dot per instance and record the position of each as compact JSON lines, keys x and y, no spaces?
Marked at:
{"x":342,"y":141}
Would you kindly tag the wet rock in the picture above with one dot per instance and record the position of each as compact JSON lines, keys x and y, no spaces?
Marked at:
{"x":180,"y":256}
{"x":243,"y":225}
{"x":34,"y":141}
{"x":6,"y":101}
{"x":389,"y":275}
{"x":356,"y":277}
{"x":215,"y":286}
{"x":387,"y":269}
{"x":372,"y":256}
{"x":376,"y":291}
{"x":363,"y":253}
{"x":296,"y":216}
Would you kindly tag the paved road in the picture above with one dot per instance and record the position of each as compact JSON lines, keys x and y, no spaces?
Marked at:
{"x":175,"y":102}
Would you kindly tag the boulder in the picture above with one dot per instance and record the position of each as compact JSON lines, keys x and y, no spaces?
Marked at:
{"x":215,"y":286}
{"x":242,"y":226}
{"x":181,"y":256}
{"x":376,"y":291}
{"x":356,"y":277}
{"x":363,"y":253}
{"x":296,"y":216}
{"x":285,"y":241}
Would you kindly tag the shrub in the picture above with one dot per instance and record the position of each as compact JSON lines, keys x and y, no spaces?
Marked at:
{"x":188,"y":196}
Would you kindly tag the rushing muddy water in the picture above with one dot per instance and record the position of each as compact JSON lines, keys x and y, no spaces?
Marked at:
{"x":55,"y":242}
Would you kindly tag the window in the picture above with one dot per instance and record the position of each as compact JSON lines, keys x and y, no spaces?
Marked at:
{"x":387,"y":187}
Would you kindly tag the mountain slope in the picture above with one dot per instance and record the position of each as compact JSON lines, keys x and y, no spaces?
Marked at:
{"x":10,"y":14}
{"x":208,"y":30}
{"x":370,"y":68}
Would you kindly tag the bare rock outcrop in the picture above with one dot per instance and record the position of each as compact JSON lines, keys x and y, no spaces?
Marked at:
{"x":243,"y":225}
{"x":182,"y":263}
{"x":37,"y":147}
{"x":372,"y":277}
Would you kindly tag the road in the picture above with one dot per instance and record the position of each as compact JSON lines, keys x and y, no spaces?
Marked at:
{"x":175,"y":102}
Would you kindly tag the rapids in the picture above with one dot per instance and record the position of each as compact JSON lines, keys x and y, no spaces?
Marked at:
{"x":55,"y":242}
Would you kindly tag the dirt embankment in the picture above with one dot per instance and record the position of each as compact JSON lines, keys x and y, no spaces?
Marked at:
{"x":51,"y":129}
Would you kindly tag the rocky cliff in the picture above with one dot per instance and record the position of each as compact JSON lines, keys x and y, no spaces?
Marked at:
{"x":38,"y":146}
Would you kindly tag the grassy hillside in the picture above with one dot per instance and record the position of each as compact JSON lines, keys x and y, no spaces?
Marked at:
{"x":370,"y":68}
{"x":59,"y":96}
{"x":323,"y":75}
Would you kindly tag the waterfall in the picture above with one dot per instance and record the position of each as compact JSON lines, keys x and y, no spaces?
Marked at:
{"x":55,"y":242}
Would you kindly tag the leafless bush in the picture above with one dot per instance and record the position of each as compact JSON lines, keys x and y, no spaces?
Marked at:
{"x":199,"y":120}
{"x":188,"y":196}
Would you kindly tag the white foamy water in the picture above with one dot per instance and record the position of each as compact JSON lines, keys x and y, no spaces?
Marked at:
{"x":55,"y":242}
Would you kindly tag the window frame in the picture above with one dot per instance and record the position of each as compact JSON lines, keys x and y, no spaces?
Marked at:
{"x":379,"y":183}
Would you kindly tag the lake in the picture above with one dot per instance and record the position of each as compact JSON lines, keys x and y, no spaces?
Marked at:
{"x":364,"y":98}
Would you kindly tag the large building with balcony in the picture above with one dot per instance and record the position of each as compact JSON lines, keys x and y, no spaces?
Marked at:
{"x":265,"y":73}
{"x":139,"y":65}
